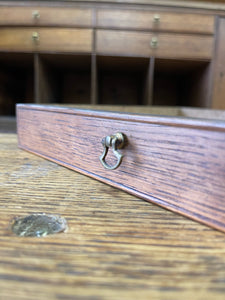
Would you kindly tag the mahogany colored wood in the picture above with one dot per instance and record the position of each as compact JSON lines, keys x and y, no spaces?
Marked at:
{"x":144,"y":20}
{"x":47,"y":16}
{"x":49,"y":39}
{"x":177,"y":46}
{"x":176,"y":163}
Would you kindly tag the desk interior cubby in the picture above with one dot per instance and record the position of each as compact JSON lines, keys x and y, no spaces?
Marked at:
{"x":61,"y":78}
{"x":16,"y":81}
{"x":109,"y":80}
{"x":181,"y":83}
{"x":122,"y":80}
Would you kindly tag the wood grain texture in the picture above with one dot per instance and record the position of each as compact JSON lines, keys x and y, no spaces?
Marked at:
{"x":144,"y":20}
{"x":218,"y":100}
{"x":134,"y":43}
{"x":117,"y":246}
{"x":201,"y":5}
{"x":48,"y":16}
{"x":50,"y":39}
{"x":174,"y":162}
{"x":43,"y":92}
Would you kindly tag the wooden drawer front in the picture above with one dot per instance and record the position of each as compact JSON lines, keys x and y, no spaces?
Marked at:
{"x":178,"y":22}
{"x":166,"y":46}
{"x":174,"y":162}
{"x":50,"y":39}
{"x":46,"y":16}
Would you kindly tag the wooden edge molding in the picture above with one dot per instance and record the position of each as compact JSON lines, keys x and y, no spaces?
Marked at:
{"x":132,"y":117}
{"x":198,"y":4}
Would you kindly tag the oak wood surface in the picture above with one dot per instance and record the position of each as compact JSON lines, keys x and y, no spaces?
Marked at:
{"x":134,"y":43}
{"x":116,"y":247}
{"x":142,"y":19}
{"x":48,"y":16}
{"x":174,"y":162}
{"x":49,"y":39}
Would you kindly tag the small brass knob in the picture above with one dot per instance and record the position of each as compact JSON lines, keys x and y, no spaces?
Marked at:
{"x":35,"y":37}
{"x":154,"y":42}
{"x":156,"y":18}
{"x":35,"y":14}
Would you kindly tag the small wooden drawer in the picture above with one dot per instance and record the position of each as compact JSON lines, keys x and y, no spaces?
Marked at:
{"x":158,"y":45}
{"x":45,"y":39}
{"x":177,"y":163}
{"x":156,"y":21}
{"x":45,"y":16}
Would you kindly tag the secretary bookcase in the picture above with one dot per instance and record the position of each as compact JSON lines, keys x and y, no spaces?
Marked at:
{"x":115,"y":54}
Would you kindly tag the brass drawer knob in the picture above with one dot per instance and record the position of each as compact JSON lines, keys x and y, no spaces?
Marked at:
{"x":115,"y":141}
{"x":36,"y":14}
{"x":35,"y":37}
{"x":156,"y":18}
{"x":154,"y":42}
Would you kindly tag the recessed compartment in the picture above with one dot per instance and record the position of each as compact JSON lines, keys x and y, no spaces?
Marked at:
{"x":16,"y":81}
{"x":122,"y":80}
{"x":63,"y":78}
{"x":181,"y":83}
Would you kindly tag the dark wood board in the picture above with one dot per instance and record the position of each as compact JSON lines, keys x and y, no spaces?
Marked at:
{"x":177,"y":163}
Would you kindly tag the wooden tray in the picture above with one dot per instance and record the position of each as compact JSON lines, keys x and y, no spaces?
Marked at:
{"x":175,"y":162}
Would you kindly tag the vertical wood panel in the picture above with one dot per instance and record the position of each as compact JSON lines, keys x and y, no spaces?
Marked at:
{"x":44,"y":87}
{"x":94,"y":80}
{"x":218,"y":100}
{"x":149,"y":82}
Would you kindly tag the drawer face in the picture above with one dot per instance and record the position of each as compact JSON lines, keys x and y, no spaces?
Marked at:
{"x":158,"y":45}
{"x":46,"y":16}
{"x":174,"y":162}
{"x":46,"y":39}
{"x":156,"y":21}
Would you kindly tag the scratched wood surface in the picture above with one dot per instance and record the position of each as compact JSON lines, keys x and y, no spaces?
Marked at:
{"x":117,"y":246}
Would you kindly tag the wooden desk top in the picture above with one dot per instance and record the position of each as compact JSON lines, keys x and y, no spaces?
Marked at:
{"x":117,"y":246}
